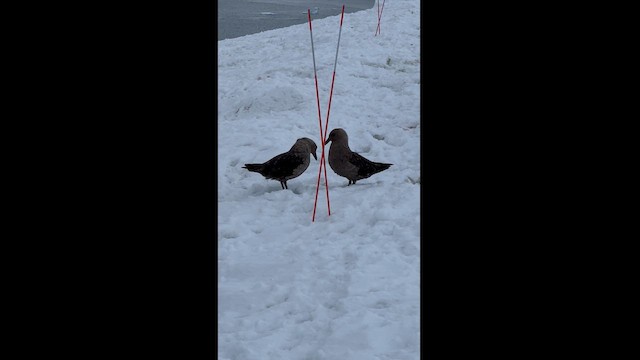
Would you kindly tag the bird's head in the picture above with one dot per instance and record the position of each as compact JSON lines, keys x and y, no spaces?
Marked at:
{"x":337,"y":135}
{"x":311,"y":145}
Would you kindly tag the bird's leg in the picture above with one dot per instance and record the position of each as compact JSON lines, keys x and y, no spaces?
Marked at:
{"x":349,"y":183}
{"x":285,"y":185}
{"x":282,"y":184}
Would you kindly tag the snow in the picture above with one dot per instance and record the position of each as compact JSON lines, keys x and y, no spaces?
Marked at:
{"x":347,"y":285}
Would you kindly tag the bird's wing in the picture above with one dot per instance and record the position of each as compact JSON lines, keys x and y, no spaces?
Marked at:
{"x":282,"y":165}
{"x":366,"y":167}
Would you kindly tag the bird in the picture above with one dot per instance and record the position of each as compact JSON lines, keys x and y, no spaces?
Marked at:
{"x":347,"y":163}
{"x":289,"y":165}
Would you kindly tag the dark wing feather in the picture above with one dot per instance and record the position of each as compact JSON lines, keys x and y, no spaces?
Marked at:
{"x":366,"y":167}
{"x":281,"y":166}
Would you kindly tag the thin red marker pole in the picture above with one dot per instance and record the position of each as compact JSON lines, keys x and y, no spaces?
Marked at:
{"x":322,"y":159}
{"x":326,"y":128}
{"x":379,"y":16}
{"x":319,"y":116}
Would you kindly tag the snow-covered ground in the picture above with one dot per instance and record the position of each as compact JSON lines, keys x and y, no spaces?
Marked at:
{"x":347,"y":285}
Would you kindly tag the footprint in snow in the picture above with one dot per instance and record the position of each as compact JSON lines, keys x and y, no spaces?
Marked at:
{"x":380,"y":304}
{"x":257,"y":230}
{"x":350,"y":260}
{"x":229,"y":234}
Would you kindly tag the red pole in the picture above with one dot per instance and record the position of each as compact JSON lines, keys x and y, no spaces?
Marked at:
{"x":326,"y":128}
{"x":379,"y":16}
{"x":319,"y":116}
{"x":322,"y":158}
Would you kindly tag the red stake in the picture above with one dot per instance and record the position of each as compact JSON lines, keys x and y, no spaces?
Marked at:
{"x":322,"y":135}
{"x":326,"y":126}
{"x":379,"y":16}
{"x":319,"y":122}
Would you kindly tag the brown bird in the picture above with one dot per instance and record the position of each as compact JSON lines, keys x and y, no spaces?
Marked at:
{"x":288,"y":165}
{"x":346,"y":163}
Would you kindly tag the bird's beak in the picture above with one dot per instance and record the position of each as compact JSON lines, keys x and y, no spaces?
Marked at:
{"x":326,"y":142}
{"x":314,"y":156}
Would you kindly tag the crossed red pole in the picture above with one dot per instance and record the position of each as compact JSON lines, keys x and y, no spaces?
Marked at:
{"x":379,"y":16}
{"x":323,"y":164}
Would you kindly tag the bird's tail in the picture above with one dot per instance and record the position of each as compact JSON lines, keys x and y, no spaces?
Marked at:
{"x":254,"y":167}
{"x":381,"y":166}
